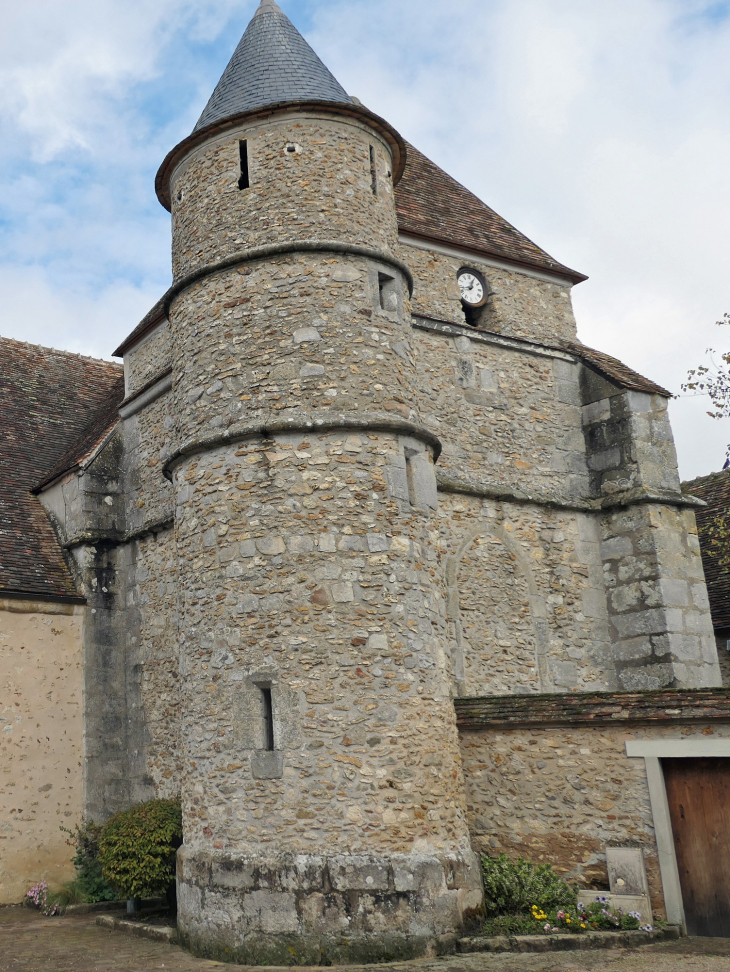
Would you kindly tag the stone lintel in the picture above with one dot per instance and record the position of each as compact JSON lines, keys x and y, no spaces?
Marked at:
{"x":673,"y":706}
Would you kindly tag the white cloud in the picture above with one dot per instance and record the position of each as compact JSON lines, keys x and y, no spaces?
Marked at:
{"x":70,"y":318}
{"x":599,"y":129}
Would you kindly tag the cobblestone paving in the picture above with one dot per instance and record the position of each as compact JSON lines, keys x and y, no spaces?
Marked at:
{"x":31,"y":943}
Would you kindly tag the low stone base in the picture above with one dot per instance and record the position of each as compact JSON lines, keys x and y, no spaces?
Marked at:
{"x":567,"y":942}
{"x":310,"y":910}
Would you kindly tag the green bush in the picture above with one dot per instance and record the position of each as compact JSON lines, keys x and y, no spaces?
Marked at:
{"x":514,"y":887}
{"x":137,"y":848}
{"x":89,"y":884}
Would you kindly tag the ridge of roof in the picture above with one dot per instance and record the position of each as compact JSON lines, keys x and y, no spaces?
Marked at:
{"x":272,"y":64}
{"x":616,"y":370}
{"x":713,"y":478}
{"x":65,"y":354}
{"x":432,"y":205}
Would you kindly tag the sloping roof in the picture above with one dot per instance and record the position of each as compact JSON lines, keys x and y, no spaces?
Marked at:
{"x":152,"y":318}
{"x":434,"y":206}
{"x":715,"y":491}
{"x":272,"y":64}
{"x":615,"y":370}
{"x":50,"y":401}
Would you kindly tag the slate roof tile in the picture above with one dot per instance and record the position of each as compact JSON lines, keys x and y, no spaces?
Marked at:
{"x":50,"y":402}
{"x":272,"y":64}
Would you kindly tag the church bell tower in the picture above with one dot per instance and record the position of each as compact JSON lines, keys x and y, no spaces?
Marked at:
{"x":322,"y":793}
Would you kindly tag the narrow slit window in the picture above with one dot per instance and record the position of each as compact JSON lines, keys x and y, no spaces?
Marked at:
{"x":388,"y":293}
{"x":243,"y":181}
{"x":268,"y":713}
{"x":373,"y":172}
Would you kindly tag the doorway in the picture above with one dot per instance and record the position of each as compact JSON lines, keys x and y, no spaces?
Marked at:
{"x":698,"y":795}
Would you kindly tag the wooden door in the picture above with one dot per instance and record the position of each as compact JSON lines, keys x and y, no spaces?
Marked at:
{"x":698,"y":791}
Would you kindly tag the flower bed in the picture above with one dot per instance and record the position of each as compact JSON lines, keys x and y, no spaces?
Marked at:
{"x":526,"y":899}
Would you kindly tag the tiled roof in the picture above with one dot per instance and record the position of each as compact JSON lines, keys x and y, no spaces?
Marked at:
{"x":50,"y":402}
{"x":433,"y":206}
{"x":715,"y":491}
{"x":272,"y":64}
{"x":616,"y":370}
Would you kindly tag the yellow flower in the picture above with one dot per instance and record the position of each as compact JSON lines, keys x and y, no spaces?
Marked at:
{"x":582,"y":924}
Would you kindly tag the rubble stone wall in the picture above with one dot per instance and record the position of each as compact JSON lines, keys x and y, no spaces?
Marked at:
{"x":310,"y":177}
{"x":505,"y":415}
{"x":147,"y":359}
{"x":526,"y":603}
{"x":561,"y":795}
{"x":520,"y":305}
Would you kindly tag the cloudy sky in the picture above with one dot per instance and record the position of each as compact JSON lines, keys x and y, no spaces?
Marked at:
{"x":601,"y":128}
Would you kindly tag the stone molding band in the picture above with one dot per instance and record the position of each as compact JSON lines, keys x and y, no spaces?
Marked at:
{"x":358,"y":112}
{"x":119,"y":539}
{"x":300,"y":424}
{"x":148,"y":393}
{"x":497,"y":491}
{"x":667,"y":706}
{"x":277,"y":249}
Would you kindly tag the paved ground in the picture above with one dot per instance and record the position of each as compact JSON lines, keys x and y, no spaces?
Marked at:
{"x":31,"y":943}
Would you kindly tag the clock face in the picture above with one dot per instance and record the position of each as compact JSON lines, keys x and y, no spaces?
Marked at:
{"x":473,"y":290}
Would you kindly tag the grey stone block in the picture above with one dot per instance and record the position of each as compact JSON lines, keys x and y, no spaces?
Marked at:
{"x":626,"y":870}
{"x":638,"y":402}
{"x":648,"y":622}
{"x":593,"y":603}
{"x":608,"y":459}
{"x":267,"y":765}
{"x":271,"y":912}
{"x":422,"y":476}
{"x":596,"y":412}
{"x":564,"y":673}
{"x":646,"y":679}
{"x":616,"y":548}
{"x":233,"y":874}
{"x":358,"y":874}
{"x":377,"y":543}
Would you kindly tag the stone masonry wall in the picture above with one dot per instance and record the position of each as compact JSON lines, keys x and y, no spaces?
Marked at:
{"x":249,"y":350}
{"x":525,"y":598}
{"x":147,"y":359}
{"x":41,"y":742}
{"x":503,"y":415}
{"x":658,"y":604}
{"x":317,"y":583}
{"x":320,"y":190}
{"x":561,"y":795}
{"x":519,"y":305}
{"x":152,"y":651}
{"x":149,"y":498}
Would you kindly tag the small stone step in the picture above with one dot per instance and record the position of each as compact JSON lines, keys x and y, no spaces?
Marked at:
{"x":158,"y":933}
{"x":566,"y":942}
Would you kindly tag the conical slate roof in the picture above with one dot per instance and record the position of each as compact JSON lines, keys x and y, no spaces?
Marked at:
{"x":272,"y":64}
